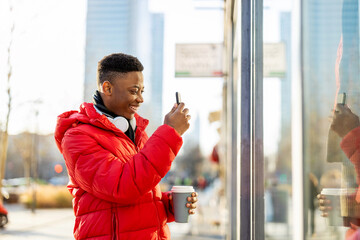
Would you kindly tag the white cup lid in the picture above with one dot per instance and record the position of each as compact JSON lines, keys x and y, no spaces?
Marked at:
{"x":182,"y":189}
{"x":338,"y":191}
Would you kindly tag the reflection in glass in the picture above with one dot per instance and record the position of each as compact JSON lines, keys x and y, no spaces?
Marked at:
{"x":331,"y":68}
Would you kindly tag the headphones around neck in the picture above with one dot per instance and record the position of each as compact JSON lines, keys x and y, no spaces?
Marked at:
{"x":122,"y":123}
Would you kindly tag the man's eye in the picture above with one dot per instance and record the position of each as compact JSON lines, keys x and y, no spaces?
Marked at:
{"x":134,"y":92}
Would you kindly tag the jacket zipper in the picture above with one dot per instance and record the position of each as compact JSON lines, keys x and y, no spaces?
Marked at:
{"x":114,"y":224}
{"x":157,"y":214}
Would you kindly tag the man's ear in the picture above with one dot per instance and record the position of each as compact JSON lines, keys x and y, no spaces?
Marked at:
{"x":107,"y":88}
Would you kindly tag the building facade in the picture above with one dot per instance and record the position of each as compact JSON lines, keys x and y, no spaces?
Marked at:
{"x":280,"y":201}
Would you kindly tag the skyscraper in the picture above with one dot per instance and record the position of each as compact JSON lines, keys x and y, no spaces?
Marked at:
{"x":108,"y":30}
{"x":127,"y":26}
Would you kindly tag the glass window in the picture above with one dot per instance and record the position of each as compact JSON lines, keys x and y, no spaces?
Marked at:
{"x":331,"y":103}
{"x":277,"y":118}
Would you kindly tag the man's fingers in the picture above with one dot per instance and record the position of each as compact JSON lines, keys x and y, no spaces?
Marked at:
{"x":324,"y":202}
{"x":185,"y":111}
{"x":320,"y":196}
{"x":341,"y":108}
{"x":174,"y":108}
{"x":324,"y":214}
{"x":194,"y":194}
{"x":180,"y":107}
{"x":191,"y":211}
{"x":323,"y":208}
{"x":192,"y":199}
{"x":192,"y":206}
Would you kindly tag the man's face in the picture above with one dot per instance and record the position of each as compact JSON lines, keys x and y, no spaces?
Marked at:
{"x":126,"y":95}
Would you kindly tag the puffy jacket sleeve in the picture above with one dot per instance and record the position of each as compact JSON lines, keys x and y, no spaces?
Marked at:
{"x":168,"y":206}
{"x":351,"y":147}
{"x":101,"y":173}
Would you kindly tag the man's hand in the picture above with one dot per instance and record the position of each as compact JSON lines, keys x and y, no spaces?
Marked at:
{"x":324,"y":205}
{"x":178,"y":118}
{"x":344,"y":120}
{"x":191,"y":205}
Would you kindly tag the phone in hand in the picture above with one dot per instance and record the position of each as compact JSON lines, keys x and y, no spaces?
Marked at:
{"x":178,"y":98}
{"x":342,"y":98}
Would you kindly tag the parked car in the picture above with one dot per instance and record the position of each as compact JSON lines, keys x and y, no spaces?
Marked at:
{"x":3,"y":216}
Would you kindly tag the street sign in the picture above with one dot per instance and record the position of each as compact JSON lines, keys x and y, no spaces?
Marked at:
{"x":274,"y":60}
{"x":199,"y":60}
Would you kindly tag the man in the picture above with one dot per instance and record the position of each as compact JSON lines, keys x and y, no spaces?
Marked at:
{"x":114,"y":168}
{"x":346,"y":124}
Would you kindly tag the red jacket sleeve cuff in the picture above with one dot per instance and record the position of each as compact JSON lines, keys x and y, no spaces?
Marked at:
{"x":170,"y":135}
{"x":168,"y":206}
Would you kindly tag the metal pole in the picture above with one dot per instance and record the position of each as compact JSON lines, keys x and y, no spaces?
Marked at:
{"x":257,"y":158}
{"x":251,"y":134}
{"x":297,"y":126}
{"x":233,"y":164}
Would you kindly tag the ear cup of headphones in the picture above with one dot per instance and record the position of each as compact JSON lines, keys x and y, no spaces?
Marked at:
{"x":121,"y":123}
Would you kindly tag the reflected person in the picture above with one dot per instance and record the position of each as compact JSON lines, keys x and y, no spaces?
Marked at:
{"x":346,"y":124}
{"x":114,"y":168}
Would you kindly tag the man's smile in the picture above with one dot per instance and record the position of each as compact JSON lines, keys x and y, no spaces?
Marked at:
{"x":134,"y":108}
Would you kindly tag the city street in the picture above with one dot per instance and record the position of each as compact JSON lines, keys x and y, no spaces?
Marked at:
{"x":43,"y":225}
{"x":54,"y":224}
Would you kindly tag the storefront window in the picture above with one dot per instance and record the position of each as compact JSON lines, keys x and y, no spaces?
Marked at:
{"x":331,"y":76}
{"x":311,"y":127}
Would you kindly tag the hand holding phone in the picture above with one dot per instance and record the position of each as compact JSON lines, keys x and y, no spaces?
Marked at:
{"x":344,"y":120}
{"x":341,"y":99}
{"x":178,"y":117}
{"x":178,"y":98}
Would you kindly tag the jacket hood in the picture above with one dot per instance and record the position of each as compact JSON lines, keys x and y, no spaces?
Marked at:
{"x":88,"y":115}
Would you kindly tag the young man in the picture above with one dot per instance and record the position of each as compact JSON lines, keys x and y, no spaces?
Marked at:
{"x":114,"y":168}
{"x":347,"y":125}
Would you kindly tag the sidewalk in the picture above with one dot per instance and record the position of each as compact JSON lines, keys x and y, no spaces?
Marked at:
{"x":45,"y":224}
{"x":55,"y":224}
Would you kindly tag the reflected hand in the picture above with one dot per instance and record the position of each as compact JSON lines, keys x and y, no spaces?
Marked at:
{"x":324,"y":205}
{"x":344,"y":120}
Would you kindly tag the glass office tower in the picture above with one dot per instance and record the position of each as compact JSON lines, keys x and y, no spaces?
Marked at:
{"x":127,"y":26}
{"x":108,"y":30}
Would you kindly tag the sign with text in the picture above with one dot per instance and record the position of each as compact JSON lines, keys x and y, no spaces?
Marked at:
{"x":274,"y":60}
{"x":199,"y":60}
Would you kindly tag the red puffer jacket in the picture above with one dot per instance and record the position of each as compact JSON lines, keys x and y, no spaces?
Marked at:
{"x":350,"y":144}
{"x":115,"y":183}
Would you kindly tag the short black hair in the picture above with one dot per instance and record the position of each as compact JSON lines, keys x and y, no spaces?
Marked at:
{"x":117,"y":63}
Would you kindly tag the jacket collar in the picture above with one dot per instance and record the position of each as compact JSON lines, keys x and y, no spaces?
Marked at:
{"x":88,"y":115}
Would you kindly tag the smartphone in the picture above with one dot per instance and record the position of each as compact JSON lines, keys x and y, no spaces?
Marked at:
{"x":341,"y":99}
{"x":178,"y":98}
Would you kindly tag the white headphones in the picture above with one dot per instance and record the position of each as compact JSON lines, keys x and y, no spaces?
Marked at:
{"x":120,"y":122}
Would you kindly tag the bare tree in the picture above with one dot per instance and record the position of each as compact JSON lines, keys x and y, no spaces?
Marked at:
{"x":5,"y":133}
{"x":24,"y":145}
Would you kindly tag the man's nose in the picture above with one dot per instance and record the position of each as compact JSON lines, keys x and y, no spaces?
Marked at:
{"x":140,"y":98}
